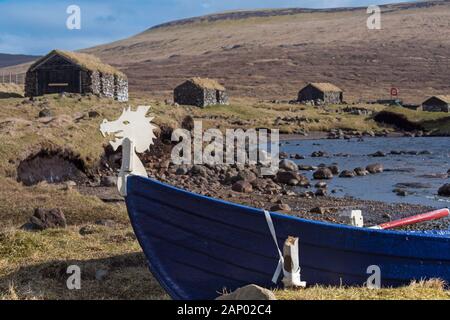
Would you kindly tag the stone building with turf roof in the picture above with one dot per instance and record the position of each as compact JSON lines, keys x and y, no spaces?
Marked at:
{"x":200,"y":92}
{"x":325,"y":92}
{"x":65,"y":71}
{"x":437,"y":104}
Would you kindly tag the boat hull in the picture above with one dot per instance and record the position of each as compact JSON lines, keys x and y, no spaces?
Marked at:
{"x":198,"y":247}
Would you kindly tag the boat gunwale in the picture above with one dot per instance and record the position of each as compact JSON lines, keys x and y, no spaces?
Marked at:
{"x":413,"y":234}
{"x":310,"y":244}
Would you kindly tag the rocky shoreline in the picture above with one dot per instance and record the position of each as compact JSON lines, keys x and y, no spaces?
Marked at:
{"x":287,"y":192}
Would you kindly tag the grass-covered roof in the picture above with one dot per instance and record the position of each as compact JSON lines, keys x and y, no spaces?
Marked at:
{"x":84,"y":60}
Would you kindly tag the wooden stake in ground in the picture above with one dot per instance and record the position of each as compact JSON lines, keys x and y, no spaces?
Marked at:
{"x":292,"y":277}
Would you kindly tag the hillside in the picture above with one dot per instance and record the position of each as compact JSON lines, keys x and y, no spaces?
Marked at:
{"x":14,"y":59}
{"x":270,"y":54}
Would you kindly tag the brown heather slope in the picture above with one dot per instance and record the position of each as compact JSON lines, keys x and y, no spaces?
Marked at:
{"x":270,"y":54}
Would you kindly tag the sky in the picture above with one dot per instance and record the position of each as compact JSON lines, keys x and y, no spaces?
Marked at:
{"x":38,"y":26}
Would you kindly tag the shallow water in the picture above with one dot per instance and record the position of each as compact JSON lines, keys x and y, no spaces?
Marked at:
{"x":413,"y":168}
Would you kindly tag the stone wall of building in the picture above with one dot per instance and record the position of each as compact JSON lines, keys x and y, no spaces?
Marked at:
{"x":107,"y":88}
{"x":96,"y":83}
{"x":332,"y":97}
{"x":213,"y":97}
{"x":222,"y":97}
{"x":90,"y":82}
{"x":121,"y":88}
{"x":210,"y":97}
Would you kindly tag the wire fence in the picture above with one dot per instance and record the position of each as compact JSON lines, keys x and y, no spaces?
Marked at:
{"x":17,"y":78}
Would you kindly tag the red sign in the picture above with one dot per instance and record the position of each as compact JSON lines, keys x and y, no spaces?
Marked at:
{"x":394,"y":92}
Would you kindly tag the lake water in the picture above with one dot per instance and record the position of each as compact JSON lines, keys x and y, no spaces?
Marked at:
{"x":407,"y":168}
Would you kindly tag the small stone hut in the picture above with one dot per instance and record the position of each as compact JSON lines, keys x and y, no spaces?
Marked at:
{"x":200,"y":92}
{"x":437,"y":104}
{"x":325,"y":92}
{"x":65,"y":71}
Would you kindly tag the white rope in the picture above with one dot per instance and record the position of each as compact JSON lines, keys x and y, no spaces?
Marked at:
{"x":290,"y":279}
{"x":280,"y":266}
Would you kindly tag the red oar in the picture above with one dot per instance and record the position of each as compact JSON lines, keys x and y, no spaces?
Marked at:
{"x":435,"y":215}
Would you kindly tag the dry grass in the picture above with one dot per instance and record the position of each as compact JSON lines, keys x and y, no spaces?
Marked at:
{"x":423,"y":290}
{"x":11,"y":90}
{"x":207,"y":83}
{"x":33,"y":265}
{"x":18,"y":203}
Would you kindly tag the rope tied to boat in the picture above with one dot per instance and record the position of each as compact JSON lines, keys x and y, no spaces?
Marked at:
{"x":280,"y":266}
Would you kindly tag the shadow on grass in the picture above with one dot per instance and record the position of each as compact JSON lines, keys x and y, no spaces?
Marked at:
{"x":118,"y":277}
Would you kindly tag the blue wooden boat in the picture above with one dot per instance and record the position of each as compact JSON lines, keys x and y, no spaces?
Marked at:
{"x":198,"y":246}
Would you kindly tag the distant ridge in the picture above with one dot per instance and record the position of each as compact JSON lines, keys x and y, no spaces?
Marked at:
{"x":7,"y":60}
{"x":245,"y":14}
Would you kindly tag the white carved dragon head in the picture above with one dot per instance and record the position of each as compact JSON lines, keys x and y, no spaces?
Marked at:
{"x":133,"y":125}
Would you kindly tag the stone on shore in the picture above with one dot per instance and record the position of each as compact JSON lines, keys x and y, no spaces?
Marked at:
{"x":182,"y":171}
{"x":321,"y":192}
{"x":347,"y":174}
{"x":444,"y":191}
{"x":281,"y":207}
{"x":246,"y":175}
{"x":319,"y":154}
{"x":292,"y":178}
{"x":334,"y":169}
{"x":319,"y":210}
{"x":378,"y":154}
{"x":321,"y":185}
{"x":242,"y":187}
{"x":250,"y":292}
{"x":307,"y":168}
{"x":198,"y":170}
{"x":361,"y":171}
{"x":288,"y":165}
{"x":108,"y":181}
{"x":323,"y":174}
{"x":375,"y":168}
